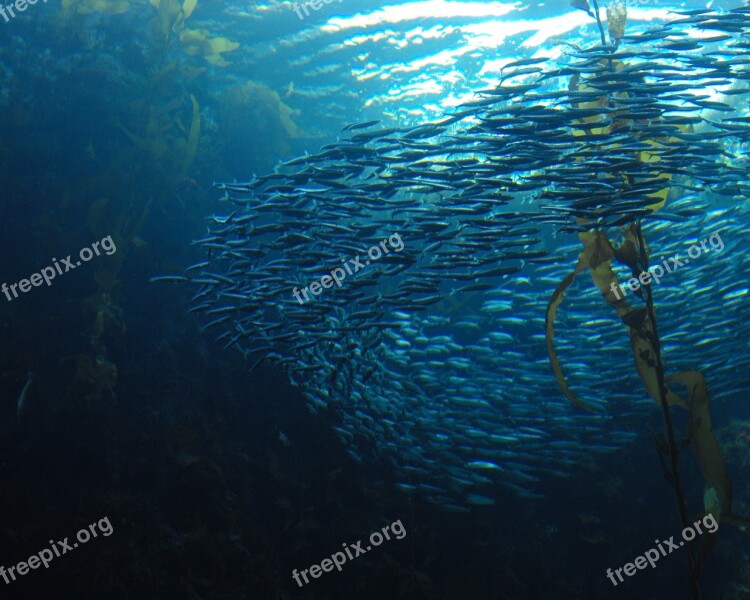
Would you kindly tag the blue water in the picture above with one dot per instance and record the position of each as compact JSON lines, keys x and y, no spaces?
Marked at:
{"x":223,"y":476}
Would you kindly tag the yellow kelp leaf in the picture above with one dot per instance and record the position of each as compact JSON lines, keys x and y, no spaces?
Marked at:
{"x":599,"y":253}
{"x":197,"y":41}
{"x":285,"y":117}
{"x":170,"y":13}
{"x":717,"y":497}
{"x":601,"y":101}
{"x":579,"y":131}
{"x":704,"y":441}
{"x":192,"y":139}
{"x":262,"y":96}
{"x":193,"y":41}
{"x":661,"y":195}
{"x":216,"y":59}
{"x":646,"y":156}
{"x":219,"y":45}
{"x":188,"y":6}
{"x":611,"y":122}
{"x":549,"y":329}
{"x":639,"y":322}
{"x":596,"y":248}
{"x":584,"y":261}
{"x":644,"y":354}
{"x":651,"y":157}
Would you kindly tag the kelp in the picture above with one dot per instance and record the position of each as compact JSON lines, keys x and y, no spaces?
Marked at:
{"x":256,"y":112}
{"x":593,"y":13}
{"x":94,"y":380}
{"x":124,"y":222}
{"x":171,"y":24}
{"x":640,"y":322}
{"x":707,"y":449}
{"x":165,"y":144}
{"x":192,"y":139}
{"x":200,"y":42}
{"x":618,"y":118}
{"x":549,"y":328}
{"x":597,"y":256}
{"x":582,"y":5}
{"x":172,"y":15}
{"x":85,"y":7}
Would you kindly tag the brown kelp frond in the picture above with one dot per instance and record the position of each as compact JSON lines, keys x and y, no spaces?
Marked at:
{"x":597,"y":256}
{"x":549,"y":328}
{"x":644,"y":353}
{"x":717,"y":498}
{"x":704,"y":441}
{"x":591,"y":255}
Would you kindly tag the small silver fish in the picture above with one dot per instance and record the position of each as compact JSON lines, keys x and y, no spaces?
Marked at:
{"x":21,"y":405}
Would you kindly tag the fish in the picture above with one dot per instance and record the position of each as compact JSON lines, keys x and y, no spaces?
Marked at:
{"x":433,"y":354}
{"x":363,"y":125}
{"x":22,"y":404}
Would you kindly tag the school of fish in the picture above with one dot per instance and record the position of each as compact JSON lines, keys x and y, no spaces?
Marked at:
{"x":430,"y":354}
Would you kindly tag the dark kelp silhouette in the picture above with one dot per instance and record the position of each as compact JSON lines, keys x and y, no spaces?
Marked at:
{"x":597,"y":256}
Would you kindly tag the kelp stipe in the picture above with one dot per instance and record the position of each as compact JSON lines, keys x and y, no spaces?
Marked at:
{"x":597,"y":255}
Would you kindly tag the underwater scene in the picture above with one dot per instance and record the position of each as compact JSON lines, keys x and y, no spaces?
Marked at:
{"x":426,"y":299}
